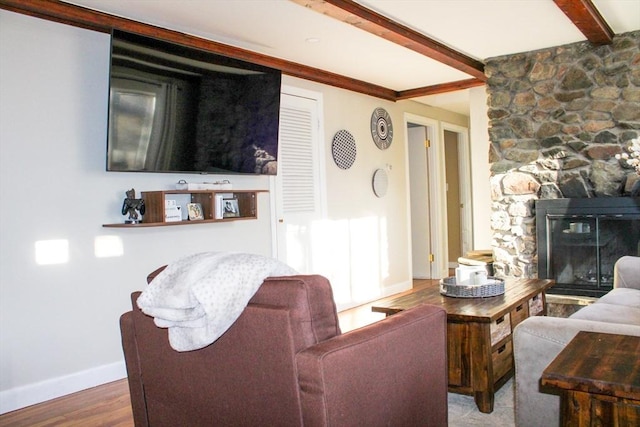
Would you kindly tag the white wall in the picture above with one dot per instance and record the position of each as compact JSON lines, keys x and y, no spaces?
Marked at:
{"x":376,"y":230}
{"x":481,"y":190}
{"x":59,"y":323}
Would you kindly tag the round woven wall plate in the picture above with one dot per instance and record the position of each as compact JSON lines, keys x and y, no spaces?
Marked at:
{"x":343,"y":149}
{"x":380,"y":182}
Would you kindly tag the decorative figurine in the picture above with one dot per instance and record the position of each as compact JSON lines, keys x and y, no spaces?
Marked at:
{"x":132,"y":206}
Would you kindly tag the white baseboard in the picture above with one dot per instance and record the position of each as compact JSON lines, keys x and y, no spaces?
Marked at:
{"x":388,"y":291}
{"x":31,"y":394}
{"x":397,"y":288}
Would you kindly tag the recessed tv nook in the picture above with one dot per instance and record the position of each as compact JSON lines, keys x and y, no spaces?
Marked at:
{"x":178,"y":109}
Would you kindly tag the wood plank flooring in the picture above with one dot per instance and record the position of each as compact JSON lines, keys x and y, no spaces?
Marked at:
{"x":109,"y":404}
{"x":105,"y":405}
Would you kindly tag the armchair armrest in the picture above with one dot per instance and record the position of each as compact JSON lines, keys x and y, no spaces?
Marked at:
{"x":392,"y":372}
{"x":132,"y":362}
{"x":537,"y":341}
{"x":626,"y":272}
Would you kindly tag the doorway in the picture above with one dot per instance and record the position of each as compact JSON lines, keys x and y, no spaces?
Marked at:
{"x":454,"y":202}
{"x":459,"y":203}
{"x":432,"y":229}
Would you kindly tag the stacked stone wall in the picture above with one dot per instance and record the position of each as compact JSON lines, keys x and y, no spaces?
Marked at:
{"x":558,"y":117}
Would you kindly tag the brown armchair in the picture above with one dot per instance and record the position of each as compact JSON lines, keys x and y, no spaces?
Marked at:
{"x":284,"y":362}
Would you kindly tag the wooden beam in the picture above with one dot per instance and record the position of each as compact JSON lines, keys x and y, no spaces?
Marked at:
{"x":437,"y":89}
{"x":586,"y":17}
{"x":86,"y":18}
{"x":354,"y":14}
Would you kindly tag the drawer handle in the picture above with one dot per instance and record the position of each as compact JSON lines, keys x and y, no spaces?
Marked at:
{"x":500,"y":320}
{"x":519,"y":308}
{"x":502,"y":348}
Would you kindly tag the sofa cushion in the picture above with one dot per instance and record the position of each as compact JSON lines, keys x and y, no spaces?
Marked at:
{"x":622,"y":296}
{"x":626,"y":272}
{"x":609,"y":313}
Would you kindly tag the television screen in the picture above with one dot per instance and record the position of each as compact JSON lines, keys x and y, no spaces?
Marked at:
{"x":179,"y":109}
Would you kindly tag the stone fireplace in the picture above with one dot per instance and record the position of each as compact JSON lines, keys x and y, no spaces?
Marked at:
{"x":558,"y":117}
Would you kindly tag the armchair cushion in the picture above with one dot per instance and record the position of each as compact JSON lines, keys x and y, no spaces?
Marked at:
{"x":310,"y":301}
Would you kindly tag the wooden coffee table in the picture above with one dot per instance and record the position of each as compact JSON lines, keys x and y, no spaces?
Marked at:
{"x":599,"y":377}
{"x":479,"y":330}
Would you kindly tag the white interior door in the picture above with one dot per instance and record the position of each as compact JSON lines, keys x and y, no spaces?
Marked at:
{"x":429,"y":184}
{"x":299,"y":197}
{"x":420,"y":218}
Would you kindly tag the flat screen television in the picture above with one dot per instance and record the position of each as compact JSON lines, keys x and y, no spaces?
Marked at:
{"x":178,"y":109}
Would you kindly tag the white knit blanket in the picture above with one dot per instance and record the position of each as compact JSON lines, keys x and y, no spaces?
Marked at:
{"x":200,"y":296}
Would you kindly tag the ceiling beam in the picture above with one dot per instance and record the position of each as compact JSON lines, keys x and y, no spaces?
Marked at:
{"x":86,"y":18}
{"x":354,"y":14}
{"x":437,"y":89}
{"x":67,"y":13}
{"x":586,"y":17}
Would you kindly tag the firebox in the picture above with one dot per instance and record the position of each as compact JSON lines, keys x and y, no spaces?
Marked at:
{"x":579,"y":241}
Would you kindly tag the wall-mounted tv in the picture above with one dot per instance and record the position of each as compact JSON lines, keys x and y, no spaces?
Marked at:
{"x":178,"y":109}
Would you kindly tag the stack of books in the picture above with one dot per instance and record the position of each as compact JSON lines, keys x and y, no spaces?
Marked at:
{"x":475,"y":258}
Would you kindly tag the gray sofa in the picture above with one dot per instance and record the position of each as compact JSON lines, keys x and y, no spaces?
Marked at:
{"x":538,"y":340}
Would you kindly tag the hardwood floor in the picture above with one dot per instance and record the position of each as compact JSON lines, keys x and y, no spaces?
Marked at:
{"x":109,"y":404}
{"x":105,"y":405}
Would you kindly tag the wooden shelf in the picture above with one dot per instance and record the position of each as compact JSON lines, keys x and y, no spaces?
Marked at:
{"x":155,"y":202}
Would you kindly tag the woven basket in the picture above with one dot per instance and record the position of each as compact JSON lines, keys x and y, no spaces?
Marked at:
{"x":450,"y":288}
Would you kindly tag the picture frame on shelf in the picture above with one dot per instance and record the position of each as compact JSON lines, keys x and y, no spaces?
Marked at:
{"x":195,"y":211}
{"x":230,"y":208}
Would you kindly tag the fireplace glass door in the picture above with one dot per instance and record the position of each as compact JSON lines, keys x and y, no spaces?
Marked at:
{"x":583,"y":250}
{"x":579,"y":249}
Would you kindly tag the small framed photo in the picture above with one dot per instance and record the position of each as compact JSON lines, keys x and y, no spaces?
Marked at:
{"x":230,"y":208}
{"x":195,"y":211}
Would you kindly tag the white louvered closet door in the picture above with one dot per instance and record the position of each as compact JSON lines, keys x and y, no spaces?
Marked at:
{"x":298,"y":186}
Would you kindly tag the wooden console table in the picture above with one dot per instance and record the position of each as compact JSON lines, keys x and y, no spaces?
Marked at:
{"x":479,"y":343}
{"x":599,"y":377}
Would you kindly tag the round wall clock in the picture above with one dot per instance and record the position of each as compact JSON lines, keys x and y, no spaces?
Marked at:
{"x":381,"y":128}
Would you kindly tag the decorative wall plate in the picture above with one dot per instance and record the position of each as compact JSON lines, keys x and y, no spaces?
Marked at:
{"x":380,"y":182}
{"x":381,"y":128}
{"x":343,"y":149}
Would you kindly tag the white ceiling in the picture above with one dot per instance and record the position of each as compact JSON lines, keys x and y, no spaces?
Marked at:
{"x":281,"y":28}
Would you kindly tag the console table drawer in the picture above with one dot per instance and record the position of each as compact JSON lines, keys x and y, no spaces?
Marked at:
{"x":502,"y":359}
{"x":500,"y":328}
{"x":536,"y":305}
{"x":519,"y":313}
